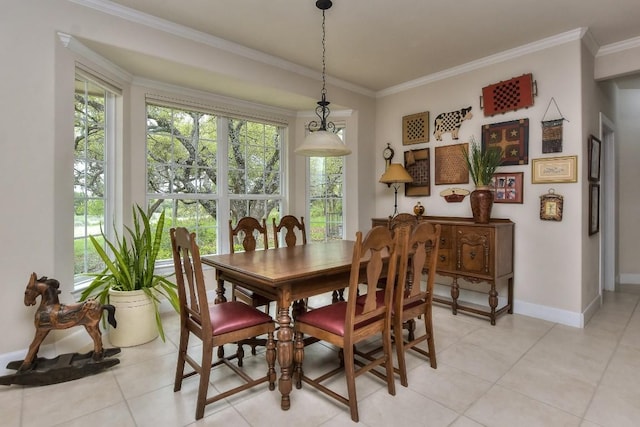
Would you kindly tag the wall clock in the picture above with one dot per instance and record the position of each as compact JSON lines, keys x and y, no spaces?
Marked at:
{"x":387,"y":154}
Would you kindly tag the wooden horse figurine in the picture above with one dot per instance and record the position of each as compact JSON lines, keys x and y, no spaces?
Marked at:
{"x":53,"y":315}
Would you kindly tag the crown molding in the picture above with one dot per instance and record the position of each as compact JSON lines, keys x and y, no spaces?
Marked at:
{"x":219,"y":102}
{"x":539,"y":45}
{"x":590,"y":42}
{"x":80,"y":49}
{"x":619,"y":46}
{"x":169,"y":27}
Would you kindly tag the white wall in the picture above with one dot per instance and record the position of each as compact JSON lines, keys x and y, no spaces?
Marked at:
{"x":548,"y":255}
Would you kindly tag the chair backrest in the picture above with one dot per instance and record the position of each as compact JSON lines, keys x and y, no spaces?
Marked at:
{"x":248,"y":230}
{"x":378,"y":245}
{"x":290,"y":223}
{"x":423,"y":246}
{"x":402,"y":220}
{"x":192,"y":294}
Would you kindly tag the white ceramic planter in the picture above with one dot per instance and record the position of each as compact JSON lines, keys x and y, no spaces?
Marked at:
{"x":135,"y":315}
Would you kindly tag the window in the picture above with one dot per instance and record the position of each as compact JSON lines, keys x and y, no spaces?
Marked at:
{"x":204,"y":169}
{"x":326,"y":192}
{"x":94,"y":118}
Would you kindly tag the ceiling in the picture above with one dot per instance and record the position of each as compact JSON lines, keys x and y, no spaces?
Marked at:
{"x":378,"y":44}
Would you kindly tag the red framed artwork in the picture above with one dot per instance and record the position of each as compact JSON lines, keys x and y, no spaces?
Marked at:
{"x":508,"y":187}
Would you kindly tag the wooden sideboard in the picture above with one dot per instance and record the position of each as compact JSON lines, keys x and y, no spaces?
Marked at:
{"x":477,"y":253}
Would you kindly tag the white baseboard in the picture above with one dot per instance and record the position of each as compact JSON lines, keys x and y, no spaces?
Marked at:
{"x":550,"y":314}
{"x":630,"y":279}
{"x":592,"y":308}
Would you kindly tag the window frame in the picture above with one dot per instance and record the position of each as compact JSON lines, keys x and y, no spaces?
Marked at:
{"x":222,"y":197}
{"x":111,"y":109}
{"x":340,"y":128}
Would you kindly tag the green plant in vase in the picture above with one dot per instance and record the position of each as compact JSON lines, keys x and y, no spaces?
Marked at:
{"x":133,"y":266}
{"x":482,"y":165}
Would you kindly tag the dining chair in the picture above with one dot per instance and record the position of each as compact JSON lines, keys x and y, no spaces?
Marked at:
{"x":291,"y":225}
{"x":248,"y":231}
{"x":345,"y":323}
{"x":215,"y":325}
{"x":403,"y":219}
{"x":413,"y":296}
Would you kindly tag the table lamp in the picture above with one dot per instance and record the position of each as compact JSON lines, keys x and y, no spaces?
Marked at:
{"x":395,"y":175}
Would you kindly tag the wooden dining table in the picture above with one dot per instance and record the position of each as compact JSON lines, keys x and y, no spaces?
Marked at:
{"x":287,"y":275}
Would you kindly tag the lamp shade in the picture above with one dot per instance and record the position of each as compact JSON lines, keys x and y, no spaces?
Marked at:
{"x":322,"y":143}
{"x":395,"y":173}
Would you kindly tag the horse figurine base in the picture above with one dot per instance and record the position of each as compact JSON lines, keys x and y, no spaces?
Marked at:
{"x":65,"y":367}
{"x":53,"y":315}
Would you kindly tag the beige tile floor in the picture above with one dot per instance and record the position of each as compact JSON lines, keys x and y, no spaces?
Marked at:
{"x":521,"y":372}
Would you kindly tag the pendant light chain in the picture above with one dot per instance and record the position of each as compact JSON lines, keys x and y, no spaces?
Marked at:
{"x":324,"y":64}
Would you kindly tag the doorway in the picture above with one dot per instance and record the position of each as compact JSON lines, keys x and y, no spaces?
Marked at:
{"x":608,"y":250}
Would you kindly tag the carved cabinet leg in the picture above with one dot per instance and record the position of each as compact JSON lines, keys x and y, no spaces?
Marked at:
{"x":455,"y":293}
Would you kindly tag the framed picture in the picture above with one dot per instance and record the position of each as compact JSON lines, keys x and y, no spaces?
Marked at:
{"x":451,"y":167}
{"x":512,"y":138}
{"x":416,"y":162}
{"x":551,"y":205}
{"x":507,"y":187}
{"x":554,"y":169}
{"x":594,"y":208}
{"x":594,"y":158}
{"x":415,"y":128}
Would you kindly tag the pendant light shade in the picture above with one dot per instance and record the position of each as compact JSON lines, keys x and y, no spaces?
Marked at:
{"x":322,"y":143}
{"x":322,"y":140}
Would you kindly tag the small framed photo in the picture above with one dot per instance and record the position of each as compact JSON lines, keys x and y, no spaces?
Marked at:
{"x":507,"y":187}
{"x":594,"y":158}
{"x":594,"y":208}
{"x":551,"y":205}
{"x":554,"y":169}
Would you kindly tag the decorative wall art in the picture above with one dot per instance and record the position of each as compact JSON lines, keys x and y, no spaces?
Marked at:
{"x":594,"y":208}
{"x":509,"y":95}
{"x":511,"y":137}
{"x":415,"y":128}
{"x":552,"y":131}
{"x":416,"y":162}
{"x":450,"y":122}
{"x":507,"y":187}
{"x":551,"y":206}
{"x":594,"y":158}
{"x":554,"y":169}
{"x":451,"y":167}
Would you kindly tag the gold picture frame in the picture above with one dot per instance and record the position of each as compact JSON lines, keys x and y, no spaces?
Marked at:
{"x":554,"y":170}
{"x":551,"y":206}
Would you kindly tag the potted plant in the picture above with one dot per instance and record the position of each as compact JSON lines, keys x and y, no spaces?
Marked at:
{"x":130,"y":283}
{"x":482,"y":165}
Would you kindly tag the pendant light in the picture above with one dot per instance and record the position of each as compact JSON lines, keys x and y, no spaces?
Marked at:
{"x":322,"y":140}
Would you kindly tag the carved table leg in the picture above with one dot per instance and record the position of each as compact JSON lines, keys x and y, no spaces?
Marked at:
{"x":493,"y":302}
{"x":455,"y":293}
{"x":220,"y":298}
{"x":285,"y":356}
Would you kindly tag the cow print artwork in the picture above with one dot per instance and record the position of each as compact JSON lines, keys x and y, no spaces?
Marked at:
{"x":450,"y":122}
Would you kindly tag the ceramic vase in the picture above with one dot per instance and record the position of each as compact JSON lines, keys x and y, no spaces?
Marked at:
{"x":135,"y":316}
{"x":481,"y":203}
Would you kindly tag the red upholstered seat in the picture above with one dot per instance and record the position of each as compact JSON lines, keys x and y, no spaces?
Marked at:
{"x":331,"y":317}
{"x":233,"y":316}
